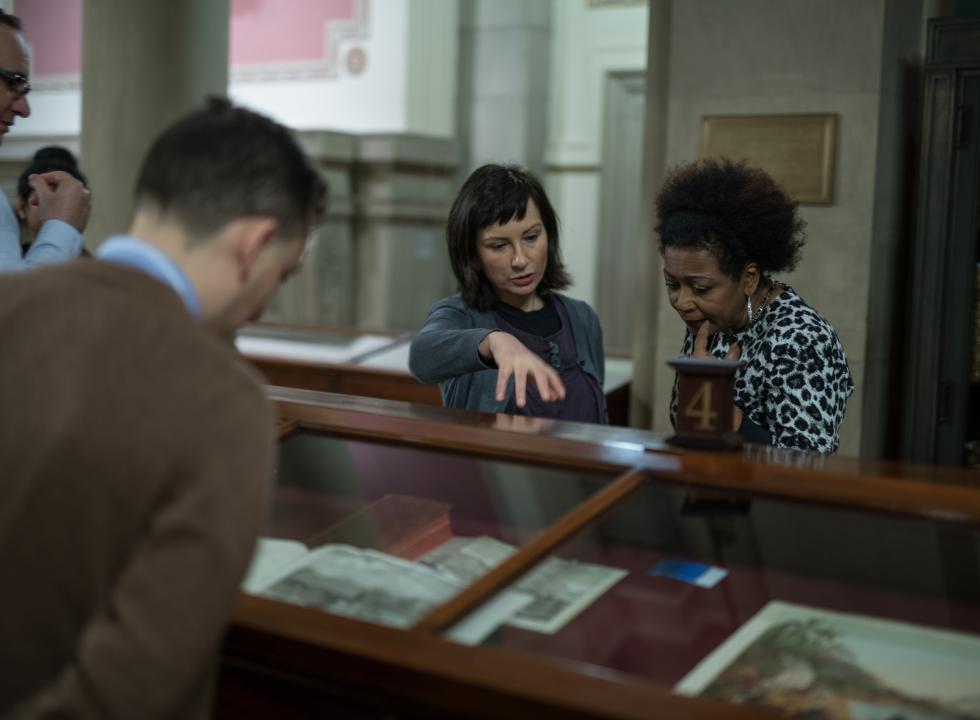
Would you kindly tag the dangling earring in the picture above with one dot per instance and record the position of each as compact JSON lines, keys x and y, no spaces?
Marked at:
{"x":748,"y":304}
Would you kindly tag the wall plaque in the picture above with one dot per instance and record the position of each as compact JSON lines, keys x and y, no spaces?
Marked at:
{"x":796,"y":149}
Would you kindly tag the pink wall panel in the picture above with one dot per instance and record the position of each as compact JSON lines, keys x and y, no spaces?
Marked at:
{"x":276,"y":31}
{"x":53,"y":29}
{"x":266,"y":33}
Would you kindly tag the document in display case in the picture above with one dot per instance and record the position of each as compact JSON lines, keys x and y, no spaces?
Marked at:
{"x":545,"y":599}
{"x":363,"y":584}
{"x":402,"y":526}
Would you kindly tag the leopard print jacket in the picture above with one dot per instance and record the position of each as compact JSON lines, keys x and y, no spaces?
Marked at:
{"x":794,"y":381}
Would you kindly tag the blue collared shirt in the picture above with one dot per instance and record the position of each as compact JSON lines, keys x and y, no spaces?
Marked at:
{"x":133,"y":252}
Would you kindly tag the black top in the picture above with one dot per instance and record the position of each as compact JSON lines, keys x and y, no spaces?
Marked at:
{"x":548,"y":333}
{"x":537,"y":322}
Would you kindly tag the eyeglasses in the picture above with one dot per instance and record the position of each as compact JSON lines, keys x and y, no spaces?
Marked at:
{"x":18,"y":84}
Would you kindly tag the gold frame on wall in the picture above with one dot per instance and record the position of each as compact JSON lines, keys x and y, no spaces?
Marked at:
{"x":797,"y":149}
{"x":613,"y":3}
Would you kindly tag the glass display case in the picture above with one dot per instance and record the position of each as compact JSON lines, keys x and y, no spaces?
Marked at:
{"x":339,"y":360}
{"x":352,"y":362}
{"x":880,"y":614}
{"x":457,"y":564}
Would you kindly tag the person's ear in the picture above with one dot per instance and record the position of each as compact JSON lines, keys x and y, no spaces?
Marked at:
{"x":20,"y":212}
{"x":750,"y":278}
{"x":253,"y":236}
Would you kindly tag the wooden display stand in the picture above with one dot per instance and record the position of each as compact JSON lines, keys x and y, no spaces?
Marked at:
{"x":620,"y":658}
{"x":705,"y":398}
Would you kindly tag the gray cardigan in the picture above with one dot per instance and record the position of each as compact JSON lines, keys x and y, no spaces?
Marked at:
{"x":445,"y":352}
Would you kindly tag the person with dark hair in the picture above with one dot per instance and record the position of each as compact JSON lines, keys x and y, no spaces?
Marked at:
{"x":60,"y":201}
{"x":508,"y":341}
{"x":137,"y":445}
{"x":47,"y":159}
{"x":725,"y":229}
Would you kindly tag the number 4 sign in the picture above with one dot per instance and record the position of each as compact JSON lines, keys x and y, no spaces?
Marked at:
{"x":705,"y":398}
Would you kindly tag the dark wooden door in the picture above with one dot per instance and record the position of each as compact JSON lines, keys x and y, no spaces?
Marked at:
{"x":941,"y":406}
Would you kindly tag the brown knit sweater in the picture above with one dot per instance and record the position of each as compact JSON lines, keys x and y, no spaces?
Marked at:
{"x":135,"y":457}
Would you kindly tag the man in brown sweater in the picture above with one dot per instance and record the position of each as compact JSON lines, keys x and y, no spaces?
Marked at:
{"x":136,"y":450}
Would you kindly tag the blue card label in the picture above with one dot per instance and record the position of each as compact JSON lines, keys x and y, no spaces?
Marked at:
{"x":699,"y":574}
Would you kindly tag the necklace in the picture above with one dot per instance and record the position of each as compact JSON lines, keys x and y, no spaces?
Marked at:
{"x":762,"y":306}
{"x":765,"y":301}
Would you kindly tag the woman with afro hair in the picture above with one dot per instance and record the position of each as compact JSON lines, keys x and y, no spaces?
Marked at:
{"x":725,"y":229}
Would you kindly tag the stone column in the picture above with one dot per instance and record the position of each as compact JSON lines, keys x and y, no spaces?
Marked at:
{"x":503,"y":87}
{"x":402,"y":188}
{"x":649,"y":291}
{"x":144,"y":63}
{"x":322,"y":292}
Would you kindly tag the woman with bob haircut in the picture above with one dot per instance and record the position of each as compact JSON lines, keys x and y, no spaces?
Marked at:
{"x":725,"y":228}
{"x":508,"y":342}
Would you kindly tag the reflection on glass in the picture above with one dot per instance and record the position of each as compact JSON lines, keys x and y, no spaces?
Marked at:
{"x":308,"y":344}
{"x":909,"y":572}
{"x":387,"y":533}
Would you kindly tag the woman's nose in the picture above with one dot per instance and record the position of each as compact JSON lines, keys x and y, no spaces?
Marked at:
{"x":519,"y":259}
{"x":683,"y":300}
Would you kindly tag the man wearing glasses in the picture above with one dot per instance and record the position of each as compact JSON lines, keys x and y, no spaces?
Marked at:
{"x":63,"y":202}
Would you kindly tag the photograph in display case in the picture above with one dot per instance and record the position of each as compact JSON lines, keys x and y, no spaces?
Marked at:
{"x":363,"y":584}
{"x":809,"y":662}
{"x":400,"y":525}
{"x":553,"y":593}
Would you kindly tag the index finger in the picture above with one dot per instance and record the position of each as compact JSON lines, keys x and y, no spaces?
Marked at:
{"x":553,"y":379}
{"x":547,"y":382}
{"x":701,"y":340}
{"x":520,"y":387}
{"x":54,"y":177}
{"x":503,"y":375}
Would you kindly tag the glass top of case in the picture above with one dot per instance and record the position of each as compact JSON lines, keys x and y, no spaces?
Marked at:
{"x":802,"y":607}
{"x":379,"y":531}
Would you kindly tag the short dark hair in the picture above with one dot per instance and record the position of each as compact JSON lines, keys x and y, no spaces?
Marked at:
{"x":497,"y":194}
{"x":225,"y":162}
{"x":48,"y":159}
{"x":10,"y":20}
{"x":737,"y":212}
